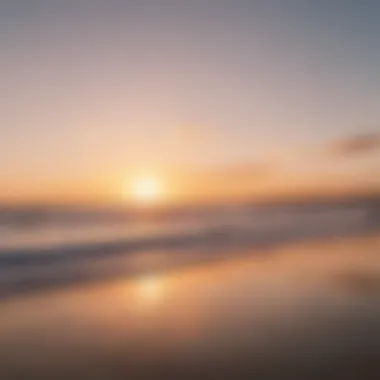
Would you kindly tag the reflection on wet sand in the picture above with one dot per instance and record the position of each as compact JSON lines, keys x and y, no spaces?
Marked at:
{"x":274,"y":315}
{"x":150,"y":288}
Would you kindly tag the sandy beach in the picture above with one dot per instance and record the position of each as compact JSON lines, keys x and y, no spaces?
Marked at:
{"x":190,"y":190}
{"x":307,"y":310}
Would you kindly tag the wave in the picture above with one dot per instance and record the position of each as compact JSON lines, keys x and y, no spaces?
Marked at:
{"x":35,"y":267}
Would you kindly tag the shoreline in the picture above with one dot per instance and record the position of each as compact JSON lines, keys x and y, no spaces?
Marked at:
{"x":159,"y":262}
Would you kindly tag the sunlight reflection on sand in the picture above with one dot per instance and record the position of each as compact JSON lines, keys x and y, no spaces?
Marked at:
{"x":150,"y":288}
{"x":283,"y":306}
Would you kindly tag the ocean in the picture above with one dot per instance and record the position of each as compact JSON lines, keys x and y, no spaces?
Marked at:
{"x":44,"y":246}
{"x":230,"y":291}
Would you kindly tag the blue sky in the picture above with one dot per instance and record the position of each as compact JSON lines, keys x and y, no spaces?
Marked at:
{"x":94,"y":88}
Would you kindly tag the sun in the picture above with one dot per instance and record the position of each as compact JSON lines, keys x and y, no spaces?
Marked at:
{"x":144,"y":190}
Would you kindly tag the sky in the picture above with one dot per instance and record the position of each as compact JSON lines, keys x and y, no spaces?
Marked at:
{"x":218,"y":97}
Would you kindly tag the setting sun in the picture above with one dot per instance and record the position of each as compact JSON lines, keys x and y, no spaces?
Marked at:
{"x":144,"y":190}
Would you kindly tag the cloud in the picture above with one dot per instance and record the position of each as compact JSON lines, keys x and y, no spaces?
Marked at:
{"x":358,"y":144}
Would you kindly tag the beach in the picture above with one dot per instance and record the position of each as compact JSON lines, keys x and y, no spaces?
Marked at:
{"x":190,"y":190}
{"x":300,"y":310}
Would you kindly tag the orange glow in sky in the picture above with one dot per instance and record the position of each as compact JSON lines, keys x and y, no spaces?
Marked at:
{"x":229,"y":95}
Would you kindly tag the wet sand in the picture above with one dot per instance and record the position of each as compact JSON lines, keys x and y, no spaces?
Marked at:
{"x":304,"y":311}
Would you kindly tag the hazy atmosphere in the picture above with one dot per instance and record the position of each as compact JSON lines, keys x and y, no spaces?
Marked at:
{"x":190,"y":189}
{"x":278,"y":96}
